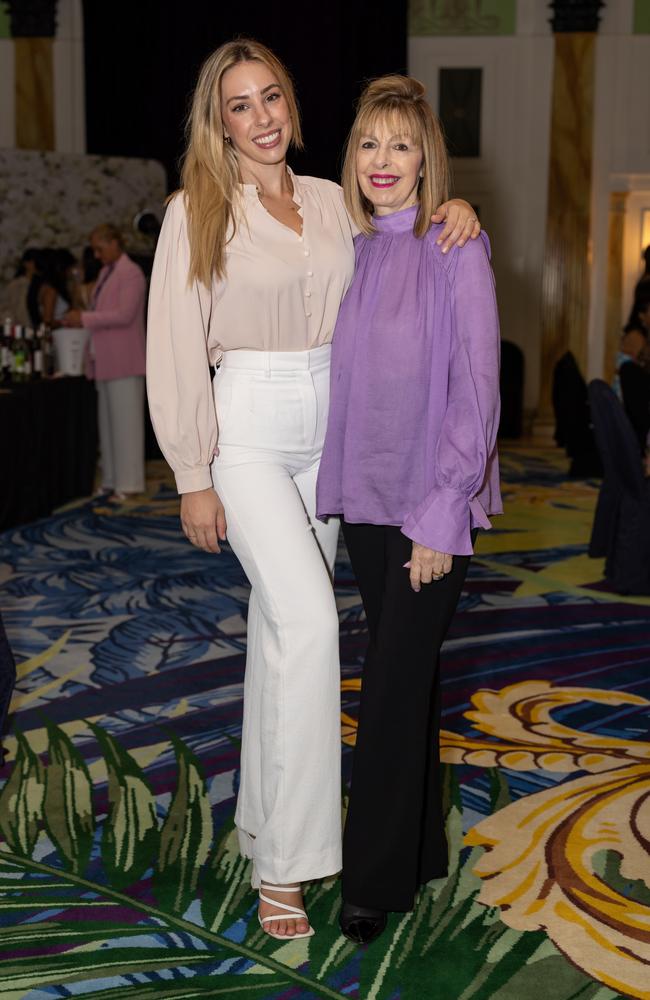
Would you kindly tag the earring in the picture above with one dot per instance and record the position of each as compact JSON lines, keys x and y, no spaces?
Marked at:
{"x":227,"y":139}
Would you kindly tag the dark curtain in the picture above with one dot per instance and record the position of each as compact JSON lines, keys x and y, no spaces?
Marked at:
{"x":142,"y":59}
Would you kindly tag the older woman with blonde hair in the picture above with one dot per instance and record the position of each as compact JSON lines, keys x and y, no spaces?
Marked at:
{"x":410,"y":464}
{"x":251,"y":267}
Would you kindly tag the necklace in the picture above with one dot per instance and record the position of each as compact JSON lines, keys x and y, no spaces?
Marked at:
{"x":260,"y":194}
{"x":292,"y":206}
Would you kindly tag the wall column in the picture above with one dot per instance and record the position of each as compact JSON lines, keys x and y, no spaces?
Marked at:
{"x":565,"y":276}
{"x":617,"y":207}
{"x":33,"y":26}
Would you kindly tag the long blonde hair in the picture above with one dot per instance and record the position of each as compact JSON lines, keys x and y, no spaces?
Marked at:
{"x":400,"y":101}
{"x":210,"y":172}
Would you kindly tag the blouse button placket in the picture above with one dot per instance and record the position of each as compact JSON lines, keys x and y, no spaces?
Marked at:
{"x":310,"y":274}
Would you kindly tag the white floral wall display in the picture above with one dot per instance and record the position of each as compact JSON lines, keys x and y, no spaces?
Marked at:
{"x":55,"y":200}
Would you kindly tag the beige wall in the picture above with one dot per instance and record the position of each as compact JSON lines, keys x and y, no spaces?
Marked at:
{"x":510,"y":179}
{"x":621,"y":161}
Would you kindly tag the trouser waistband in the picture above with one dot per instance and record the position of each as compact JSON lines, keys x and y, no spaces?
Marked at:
{"x":283,"y":361}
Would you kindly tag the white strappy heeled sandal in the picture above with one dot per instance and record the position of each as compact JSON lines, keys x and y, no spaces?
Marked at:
{"x":293,"y":912}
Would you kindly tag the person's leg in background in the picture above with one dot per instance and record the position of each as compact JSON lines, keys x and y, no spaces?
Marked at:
{"x":107,"y":481}
{"x":126,"y":409}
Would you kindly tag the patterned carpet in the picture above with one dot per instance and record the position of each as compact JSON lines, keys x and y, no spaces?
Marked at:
{"x":119,"y":875}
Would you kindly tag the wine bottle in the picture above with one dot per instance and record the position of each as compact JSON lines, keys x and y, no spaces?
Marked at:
{"x":18,"y":351}
{"x":49,"y":360}
{"x":5,"y":351}
{"x":28,"y":363}
{"x":37,"y":358}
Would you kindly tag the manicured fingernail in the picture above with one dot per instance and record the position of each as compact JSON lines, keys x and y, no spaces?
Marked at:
{"x":438,"y":242}
{"x":461,"y":243}
{"x":445,"y":249}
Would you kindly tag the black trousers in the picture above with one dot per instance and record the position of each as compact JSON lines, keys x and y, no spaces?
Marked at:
{"x":394,"y":837}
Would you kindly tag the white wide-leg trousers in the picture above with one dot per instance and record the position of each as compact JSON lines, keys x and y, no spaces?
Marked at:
{"x":272,"y":414}
{"x":120,"y":411}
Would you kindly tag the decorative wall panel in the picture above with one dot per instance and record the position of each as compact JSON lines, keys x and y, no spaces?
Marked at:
{"x":462,"y":17}
{"x":459,"y":108}
{"x":55,"y":199}
{"x":5,"y":22}
{"x":641,"y":17}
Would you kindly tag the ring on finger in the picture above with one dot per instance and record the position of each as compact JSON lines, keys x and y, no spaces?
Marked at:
{"x":438,"y":577}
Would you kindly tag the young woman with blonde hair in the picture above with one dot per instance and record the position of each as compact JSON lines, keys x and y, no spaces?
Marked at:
{"x":410,"y":464}
{"x":251,"y":267}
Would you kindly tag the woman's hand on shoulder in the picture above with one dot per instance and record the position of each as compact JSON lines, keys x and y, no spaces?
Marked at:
{"x":203,"y":519}
{"x":461,"y":223}
{"x":427,"y":565}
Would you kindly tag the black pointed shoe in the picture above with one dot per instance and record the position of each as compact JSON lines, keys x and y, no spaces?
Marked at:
{"x":360,"y":923}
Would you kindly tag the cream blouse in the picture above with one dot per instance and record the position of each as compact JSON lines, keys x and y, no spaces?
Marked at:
{"x":282,"y":292}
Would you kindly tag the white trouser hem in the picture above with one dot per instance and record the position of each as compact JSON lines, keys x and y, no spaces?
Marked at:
{"x":304,"y":868}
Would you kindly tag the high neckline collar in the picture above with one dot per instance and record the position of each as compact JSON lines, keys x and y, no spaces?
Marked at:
{"x":250,"y":190}
{"x":396,"y":222}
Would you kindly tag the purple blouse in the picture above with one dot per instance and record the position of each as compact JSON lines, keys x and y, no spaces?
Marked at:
{"x":414,"y":405}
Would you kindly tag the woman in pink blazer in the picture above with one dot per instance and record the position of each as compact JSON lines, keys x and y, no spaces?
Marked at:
{"x":116,"y":360}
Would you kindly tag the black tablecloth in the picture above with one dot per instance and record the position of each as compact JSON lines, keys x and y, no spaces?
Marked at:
{"x":48,"y":446}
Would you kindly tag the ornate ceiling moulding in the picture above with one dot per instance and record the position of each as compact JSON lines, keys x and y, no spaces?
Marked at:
{"x":575,"y":15}
{"x":32,"y":18}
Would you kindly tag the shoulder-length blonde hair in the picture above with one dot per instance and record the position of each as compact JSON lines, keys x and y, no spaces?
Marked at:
{"x":210,"y":172}
{"x":400,"y":102}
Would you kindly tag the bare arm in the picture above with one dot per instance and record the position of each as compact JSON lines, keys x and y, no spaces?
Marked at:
{"x":462,"y":224}
{"x":48,"y":297}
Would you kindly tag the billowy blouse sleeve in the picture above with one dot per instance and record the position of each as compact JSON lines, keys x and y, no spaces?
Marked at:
{"x":178,"y":369}
{"x":467,"y":442}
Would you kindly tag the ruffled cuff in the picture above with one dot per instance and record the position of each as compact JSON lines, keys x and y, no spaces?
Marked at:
{"x":444,"y":521}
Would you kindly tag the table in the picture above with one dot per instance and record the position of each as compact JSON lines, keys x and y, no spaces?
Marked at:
{"x":48,"y":446}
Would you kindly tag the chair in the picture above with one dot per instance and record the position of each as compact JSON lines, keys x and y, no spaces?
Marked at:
{"x":635,"y":387}
{"x":511,"y":385}
{"x":573,"y":430}
{"x":621,"y":528}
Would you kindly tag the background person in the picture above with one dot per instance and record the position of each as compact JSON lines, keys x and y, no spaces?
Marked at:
{"x":59,"y":286}
{"x":90,"y":268}
{"x":410,"y":463}
{"x":117,"y":362}
{"x":21,"y":300}
{"x":634,"y":339}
